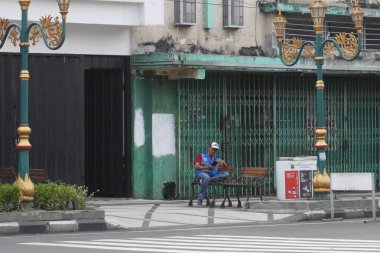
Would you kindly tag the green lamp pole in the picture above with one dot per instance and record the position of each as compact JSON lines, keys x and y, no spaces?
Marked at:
{"x":53,"y":33}
{"x":290,"y":51}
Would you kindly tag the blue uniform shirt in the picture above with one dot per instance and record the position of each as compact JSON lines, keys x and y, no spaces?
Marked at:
{"x":206,"y":161}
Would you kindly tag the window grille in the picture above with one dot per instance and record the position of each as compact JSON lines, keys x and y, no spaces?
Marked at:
{"x":301,"y":26}
{"x":233,"y":13}
{"x":371,"y":34}
{"x":185,"y":12}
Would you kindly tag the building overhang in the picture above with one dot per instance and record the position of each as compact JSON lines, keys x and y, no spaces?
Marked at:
{"x":157,"y":63}
{"x":304,"y":8}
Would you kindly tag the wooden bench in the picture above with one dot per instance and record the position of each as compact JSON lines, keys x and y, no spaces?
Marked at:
{"x":7,"y":175}
{"x":250,"y":177}
{"x":230,"y":169}
{"x":38,"y":176}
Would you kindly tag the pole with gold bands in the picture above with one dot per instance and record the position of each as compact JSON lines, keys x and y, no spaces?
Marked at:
{"x":53,"y":34}
{"x":290,"y":51}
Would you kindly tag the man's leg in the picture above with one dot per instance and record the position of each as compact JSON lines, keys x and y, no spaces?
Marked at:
{"x":205,"y":179}
{"x":221,"y":175}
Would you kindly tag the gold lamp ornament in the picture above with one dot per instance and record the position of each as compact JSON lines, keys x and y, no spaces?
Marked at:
{"x":357,"y":15}
{"x":279,"y":23}
{"x":318,"y":9}
{"x":63,"y":7}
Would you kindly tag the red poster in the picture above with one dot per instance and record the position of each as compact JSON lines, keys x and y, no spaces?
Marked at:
{"x":291,"y":185}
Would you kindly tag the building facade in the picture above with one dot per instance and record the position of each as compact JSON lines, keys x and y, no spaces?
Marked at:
{"x":79,"y":95}
{"x":211,"y":73}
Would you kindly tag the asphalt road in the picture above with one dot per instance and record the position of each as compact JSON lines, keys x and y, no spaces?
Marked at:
{"x":346,"y":236}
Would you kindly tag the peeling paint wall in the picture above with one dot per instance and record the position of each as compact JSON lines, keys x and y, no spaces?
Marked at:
{"x":255,"y":38}
{"x":139,"y":128}
{"x":197,"y":39}
{"x":163,"y":134}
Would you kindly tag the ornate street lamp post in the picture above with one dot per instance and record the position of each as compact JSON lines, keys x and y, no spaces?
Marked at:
{"x":53,"y":33}
{"x":290,"y":51}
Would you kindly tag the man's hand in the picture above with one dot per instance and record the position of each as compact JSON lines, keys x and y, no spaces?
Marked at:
{"x":222,"y":162}
{"x":200,"y":167}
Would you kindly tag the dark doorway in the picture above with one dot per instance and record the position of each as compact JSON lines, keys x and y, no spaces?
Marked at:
{"x":106,"y":136}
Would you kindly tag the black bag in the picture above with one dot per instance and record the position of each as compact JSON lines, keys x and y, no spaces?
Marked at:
{"x":168,"y":191}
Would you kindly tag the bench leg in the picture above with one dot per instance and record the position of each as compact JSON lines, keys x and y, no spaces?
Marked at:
{"x":212,"y":204}
{"x":239,"y":202}
{"x":192,"y":195}
{"x":229,"y":201}
{"x":207,"y":201}
{"x":191,"y":201}
{"x":246,"y":205}
{"x":222,"y":205}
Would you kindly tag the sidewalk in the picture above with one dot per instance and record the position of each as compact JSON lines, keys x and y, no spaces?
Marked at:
{"x":143,"y":214}
{"x":134,"y":214}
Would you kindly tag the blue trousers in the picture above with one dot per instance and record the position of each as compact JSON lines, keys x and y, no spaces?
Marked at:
{"x":206,"y":179}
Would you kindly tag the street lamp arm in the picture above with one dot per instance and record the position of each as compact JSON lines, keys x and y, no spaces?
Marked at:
{"x":14,"y":30}
{"x":348,"y":47}
{"x":52,"y":32}
{"x":291,"y":50}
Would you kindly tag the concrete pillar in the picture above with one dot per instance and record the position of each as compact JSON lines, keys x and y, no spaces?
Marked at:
{"x":155,"y":120}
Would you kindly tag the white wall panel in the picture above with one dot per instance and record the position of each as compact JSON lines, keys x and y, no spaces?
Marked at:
{"x":94,"y":26}
{"x":87,"y":39}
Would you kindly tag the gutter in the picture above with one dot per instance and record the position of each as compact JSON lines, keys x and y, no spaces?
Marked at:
{"x":304,"y":8}
{"x":241,"y":64}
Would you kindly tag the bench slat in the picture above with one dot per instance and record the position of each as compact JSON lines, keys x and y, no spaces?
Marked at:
{"x":227,"y":168}
{"x":254,"y":172}
{"x":38,"y":175}
{"x":7,"y":175}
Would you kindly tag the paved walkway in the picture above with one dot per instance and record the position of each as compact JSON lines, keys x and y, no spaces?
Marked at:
{"x":134,"y":213}
{"x":130,"y":214}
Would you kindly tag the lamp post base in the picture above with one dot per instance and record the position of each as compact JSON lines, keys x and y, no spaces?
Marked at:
{"x":26,"y":206}
{"x":321,"y":196}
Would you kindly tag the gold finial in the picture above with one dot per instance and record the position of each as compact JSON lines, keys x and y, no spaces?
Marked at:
{"x":321,"y":182}
{"x":279,"y":7}
{"x":24,"y":4}
{"x":24,"y":132}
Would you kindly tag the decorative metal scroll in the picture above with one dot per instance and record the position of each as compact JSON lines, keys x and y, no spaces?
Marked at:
{"x":347,"y":43}
{"x":3,"y":27}
{"x":14,"y":36}
{"x":52,"y":30}
{"x":35,"y":35}
{"x":290,"y":49}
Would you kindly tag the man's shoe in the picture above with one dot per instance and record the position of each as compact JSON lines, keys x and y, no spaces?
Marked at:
{"x":199,"y":204}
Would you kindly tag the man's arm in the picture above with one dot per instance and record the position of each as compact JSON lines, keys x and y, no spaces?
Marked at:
{"x":198,"y":166}
{"x":198,"y":161}
{"x":222,"y":162}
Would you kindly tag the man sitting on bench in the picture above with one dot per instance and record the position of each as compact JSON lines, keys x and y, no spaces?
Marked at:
{"x":206,"y":169}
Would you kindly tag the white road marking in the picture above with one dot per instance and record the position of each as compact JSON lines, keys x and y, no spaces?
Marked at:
{"x":285,"y":238}
{"x":179,"y":240}
{"x":251,"y":225}
{"x":223,"y":243}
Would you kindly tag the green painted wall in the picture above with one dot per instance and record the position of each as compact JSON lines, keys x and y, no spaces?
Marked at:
{"x":142,"y":155}
{"x":208,"y":14}
{"x":156,"y":97}
{"x":164,"y":102}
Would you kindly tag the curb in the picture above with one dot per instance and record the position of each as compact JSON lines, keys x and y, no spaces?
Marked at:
{"x":344,"y":214}
{"x":40,"y":227}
